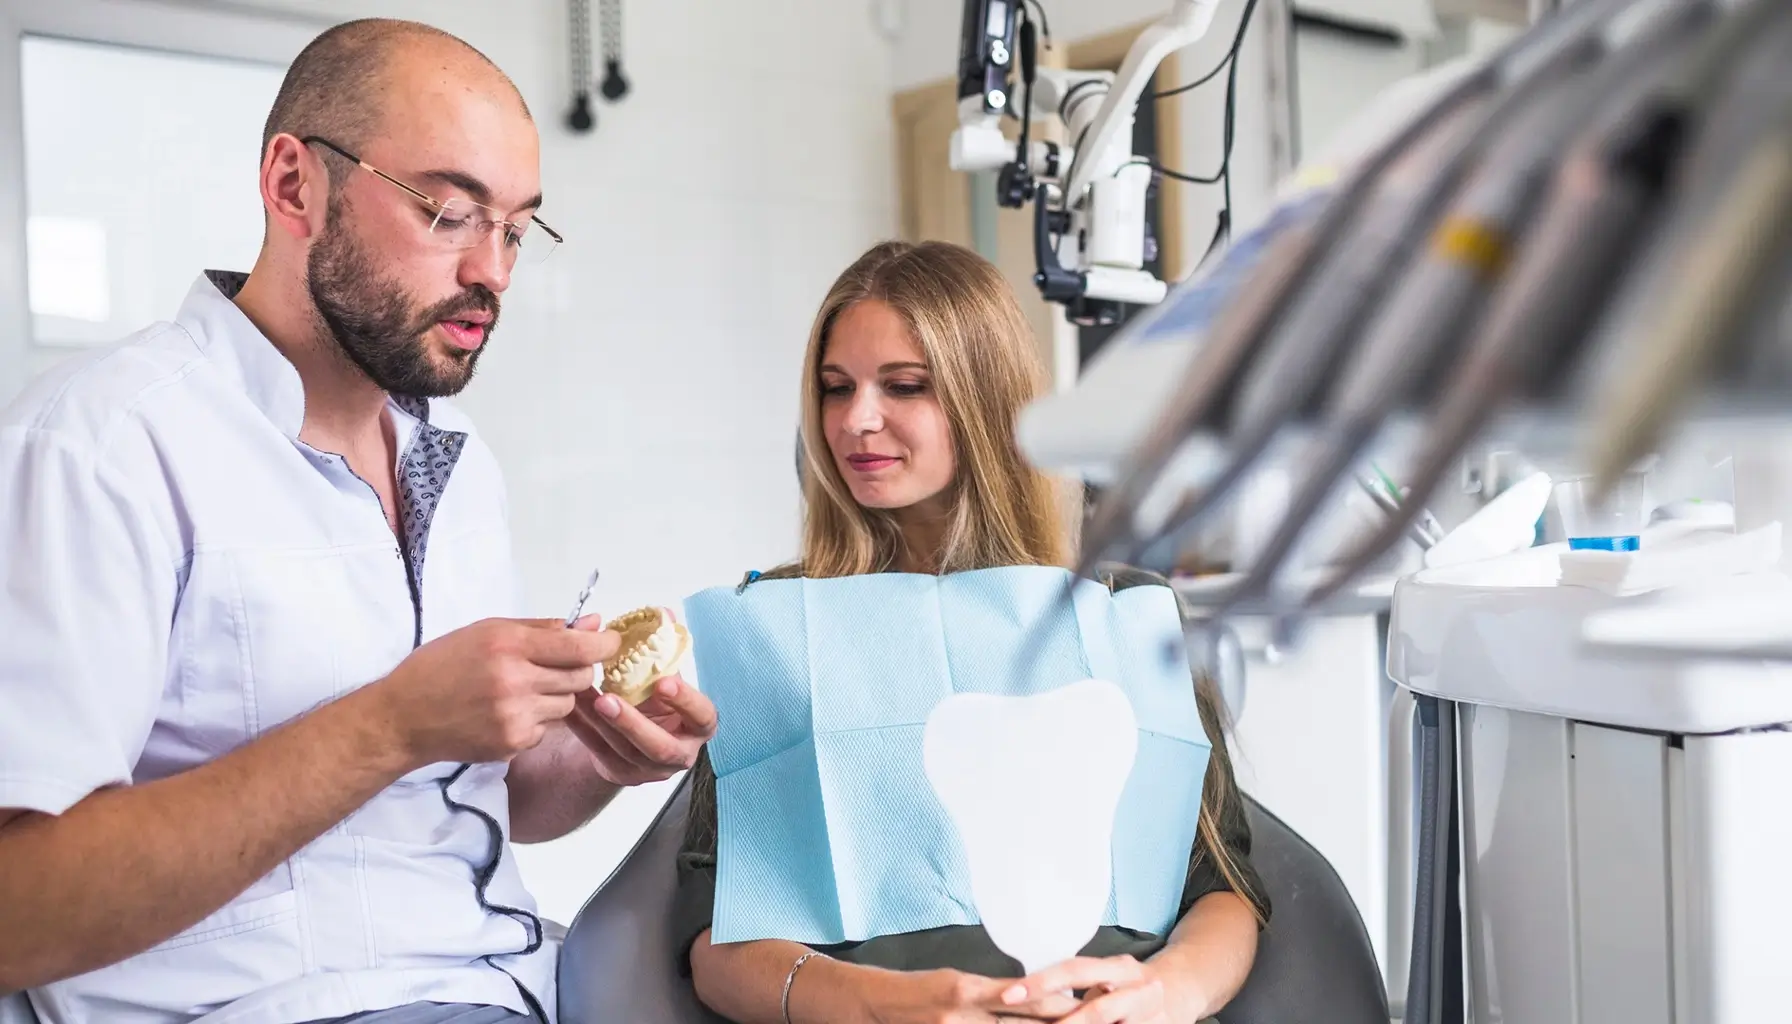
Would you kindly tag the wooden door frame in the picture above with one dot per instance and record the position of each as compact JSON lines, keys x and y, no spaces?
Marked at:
{"x":907,"y":106}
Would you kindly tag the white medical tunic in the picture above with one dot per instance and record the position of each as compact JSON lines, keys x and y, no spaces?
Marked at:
{"x":179,"y":574}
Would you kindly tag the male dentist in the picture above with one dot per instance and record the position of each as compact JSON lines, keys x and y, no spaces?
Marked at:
{"x":267,"y":724}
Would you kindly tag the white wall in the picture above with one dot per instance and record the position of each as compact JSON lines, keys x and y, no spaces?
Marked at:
{"x":1338,"y":74}
{"x":641,"y":392}
{"x":125,"y":262}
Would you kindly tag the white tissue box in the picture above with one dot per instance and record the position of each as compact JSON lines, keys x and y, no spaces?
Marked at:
{"x":1672,"y":554}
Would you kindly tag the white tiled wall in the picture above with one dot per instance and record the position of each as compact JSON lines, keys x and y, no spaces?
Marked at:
{"x":641,"y":391}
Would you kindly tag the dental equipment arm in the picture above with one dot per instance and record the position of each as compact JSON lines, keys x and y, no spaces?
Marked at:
{"x":1598,"y":204}
{"x":1722,"y":254}
{"x":1417,"y":333}
{"x":1317,"y":269}
{"x":1632,"y":259}
{"x":1090,"y":194}
{"x":1606,"y":200}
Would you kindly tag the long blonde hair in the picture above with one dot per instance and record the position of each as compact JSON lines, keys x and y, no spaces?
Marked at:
{"x":979,"y":348}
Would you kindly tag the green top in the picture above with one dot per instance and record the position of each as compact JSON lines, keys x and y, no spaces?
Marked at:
{"x":968,"y":947}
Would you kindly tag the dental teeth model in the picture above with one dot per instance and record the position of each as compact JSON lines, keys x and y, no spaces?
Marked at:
{"x":653,"y":645}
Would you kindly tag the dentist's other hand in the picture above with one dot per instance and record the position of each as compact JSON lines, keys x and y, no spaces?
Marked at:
{"x":654,"y":741}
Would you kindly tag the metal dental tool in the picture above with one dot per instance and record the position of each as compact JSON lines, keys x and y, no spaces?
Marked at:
{"x":1557,"y":224}
{"x":1114,"y":532}
{"x":1421,"y":536}
{"x":1418,"y":332}
{"x":1728,"y":239}
{"x":1257,"y":313}
{"x":1239,"y":332}
{"x":1291,"y":368}
{"x":1601,"y":202}
{"x":1434,"y":297}
{"x":1738,"y":252}
{"x":1322,"y":331}
{"x":578,"y":606}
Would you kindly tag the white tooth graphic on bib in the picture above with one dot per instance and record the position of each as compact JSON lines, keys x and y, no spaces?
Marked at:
{"x":1032,"y":785}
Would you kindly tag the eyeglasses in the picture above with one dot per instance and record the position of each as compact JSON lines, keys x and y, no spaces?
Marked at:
{"x":462,"y":223}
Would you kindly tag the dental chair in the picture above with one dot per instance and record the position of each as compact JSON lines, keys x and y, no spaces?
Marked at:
{"x":16,"y":1009}
{"x":1314,"y":963}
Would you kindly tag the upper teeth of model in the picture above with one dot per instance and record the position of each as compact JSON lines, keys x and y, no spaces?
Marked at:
{"x":653,"y":644}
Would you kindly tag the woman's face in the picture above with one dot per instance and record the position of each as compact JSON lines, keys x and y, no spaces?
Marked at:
{"x":880,"y":413}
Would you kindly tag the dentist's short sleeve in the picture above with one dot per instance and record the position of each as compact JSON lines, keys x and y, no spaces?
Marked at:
{"x":88,"y":583}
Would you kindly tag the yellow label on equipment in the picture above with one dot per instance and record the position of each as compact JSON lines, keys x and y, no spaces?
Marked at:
{"x":1473,"y":242}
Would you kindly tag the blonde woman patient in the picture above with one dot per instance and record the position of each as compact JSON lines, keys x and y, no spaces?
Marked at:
{"x":918,"y":364}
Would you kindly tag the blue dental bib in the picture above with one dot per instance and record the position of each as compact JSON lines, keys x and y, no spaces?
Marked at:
{"x":829,"y":831}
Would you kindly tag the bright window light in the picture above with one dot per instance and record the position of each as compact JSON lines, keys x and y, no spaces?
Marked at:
{"x":66,"y":266}
{"x":139,"y":174}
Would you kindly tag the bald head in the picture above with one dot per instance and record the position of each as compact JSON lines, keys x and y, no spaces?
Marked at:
{"x":386,"y":262}
{"x":344,"y":83}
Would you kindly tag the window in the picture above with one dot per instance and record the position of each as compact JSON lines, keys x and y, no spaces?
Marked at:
{"x":137,"y":176}
{"x":129,"y":132}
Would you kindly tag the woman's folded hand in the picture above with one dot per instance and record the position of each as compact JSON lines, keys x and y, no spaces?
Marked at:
{"x":1115,"y":990}
{"x":954,"y":997}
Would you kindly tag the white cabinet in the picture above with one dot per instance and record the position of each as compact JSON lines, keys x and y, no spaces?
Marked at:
{"x":1625,"y":826}
{"x":1624,"y":877}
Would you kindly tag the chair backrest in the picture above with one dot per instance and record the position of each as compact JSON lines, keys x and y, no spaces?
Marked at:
{"x":16,"y":1009}
{"x":1314,"y":963}
{"x":616,"y":963}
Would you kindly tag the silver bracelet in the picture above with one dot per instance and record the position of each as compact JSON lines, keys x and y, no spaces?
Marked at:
{"x":790,"y":979}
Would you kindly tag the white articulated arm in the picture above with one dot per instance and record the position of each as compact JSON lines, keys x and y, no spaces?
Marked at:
{"x":1186,"y":23}
{"x":1089,"y":196}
